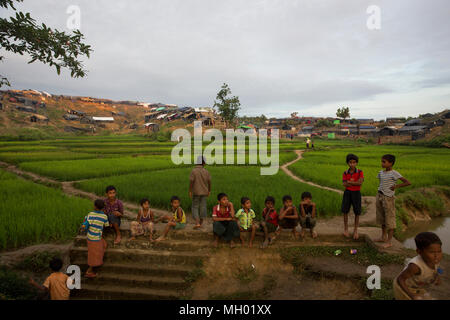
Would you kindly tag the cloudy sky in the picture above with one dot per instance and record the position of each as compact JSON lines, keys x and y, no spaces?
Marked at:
{"x":278,"y":56}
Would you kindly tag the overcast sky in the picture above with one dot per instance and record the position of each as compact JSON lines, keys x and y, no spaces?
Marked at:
{"x":278,"y":56}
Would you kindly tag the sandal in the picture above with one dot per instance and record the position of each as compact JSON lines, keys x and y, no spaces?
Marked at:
{"x":90,"y":275}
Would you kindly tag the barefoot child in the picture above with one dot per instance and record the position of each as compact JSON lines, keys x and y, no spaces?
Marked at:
{"x":385,"y":200}
{"x":224,"y":222}
{"x":56,"y":282}
{"x":308,"y":214}
{"x":95,"y":222}
{"x":352,"y":180}
{"x":144,"y":221}
{"x":114,"y":211}
{"x":177,"y":221}
{"x":245,"y":217}
{"x":422,"y":271}
{"x":269,"y":223}
{"x":288,"y":218}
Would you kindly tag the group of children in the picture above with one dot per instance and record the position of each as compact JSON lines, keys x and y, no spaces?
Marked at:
{"x":229,"y":224}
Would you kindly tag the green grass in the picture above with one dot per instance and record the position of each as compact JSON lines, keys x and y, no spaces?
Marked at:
{"x":69,"y":170}
{"x":421,"y":166}
{"x":92,"y":168}
{"x":14,"y":286}
{"x":38,"y":261}
{"x":56,"y":155}
{"x":31,"y":213}
{"x":366,"y":255}
{"x":237,"y":182}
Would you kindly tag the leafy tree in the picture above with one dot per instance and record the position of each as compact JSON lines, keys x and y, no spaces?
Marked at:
{"x":324,"y":123}
{"x":21,"y":34}
{"x":228,"y":107}
{"x":343,"y":113}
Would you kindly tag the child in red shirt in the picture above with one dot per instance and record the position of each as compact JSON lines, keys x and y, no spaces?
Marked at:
{"x":269,"y":224}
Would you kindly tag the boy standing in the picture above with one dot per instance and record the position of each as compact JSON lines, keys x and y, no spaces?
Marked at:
{"x":199,"y":190}
{"x":385,"y":200}
{"x":352,"y":179}
{"x":422,"y":270}
{"x":56,"y":283}
{"x":95,"y":222}
{"x":114,"y":210}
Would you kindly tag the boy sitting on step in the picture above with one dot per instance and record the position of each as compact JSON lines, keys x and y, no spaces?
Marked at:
{"x":288,"y":218}
{"x":269,"y":223}
{"x":245,"y":217}
{"x":307,"y":214}
{"x":177,"y":221}
{"x":144,"y":221}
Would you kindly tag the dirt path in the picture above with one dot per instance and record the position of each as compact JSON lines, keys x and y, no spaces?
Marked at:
{"x":293,"y":176}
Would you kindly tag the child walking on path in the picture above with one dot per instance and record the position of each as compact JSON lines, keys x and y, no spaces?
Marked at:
{"x":144,"y":221}
{"x":224,"y":222}
{"x":56,"y":282}
{"x":114,"y":211}
{"x":422,"y":271}
{"x":245,"y":217}
{"x":269,"y":223}
{"x":308,"y":214}
{"x":288,"y":218}
{"x":352,"y":179}
{"x":95,"y":222}
{"x":385,"y":200}
{"x":177,"y":221}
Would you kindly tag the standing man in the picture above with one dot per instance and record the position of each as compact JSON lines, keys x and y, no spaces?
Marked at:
{"x":199,"y":190}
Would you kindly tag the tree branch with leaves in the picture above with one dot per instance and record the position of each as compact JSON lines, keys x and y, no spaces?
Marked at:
{"x":227,"y":107}
{"x":22,"y":35}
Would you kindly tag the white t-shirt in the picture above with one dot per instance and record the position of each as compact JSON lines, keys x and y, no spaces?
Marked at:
{"x":387,"y":180}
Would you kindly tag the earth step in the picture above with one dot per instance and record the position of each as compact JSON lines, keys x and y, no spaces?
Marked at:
{"x":142,"y":242}
{"x":133,"y":280}
{"x":105,"y":292}
{"x":139,"y":255}
{"x":285,"y":235}
{"x":137,"y":269}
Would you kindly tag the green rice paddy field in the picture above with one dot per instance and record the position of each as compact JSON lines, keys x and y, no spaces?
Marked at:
{"x":32,"y":213}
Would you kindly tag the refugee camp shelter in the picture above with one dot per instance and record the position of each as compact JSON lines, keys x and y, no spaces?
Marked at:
{"x":151,"y":127}
{"x":38,"y":118}
{"x":103,"y":119}
{"x":413,"y":122}
{"x":71,"y":117}
{"x":25,"y":109}
{"x":407,"y":130}
{"x":387,"y":131}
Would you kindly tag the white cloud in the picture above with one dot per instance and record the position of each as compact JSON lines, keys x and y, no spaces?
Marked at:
{"x":278,"y":56}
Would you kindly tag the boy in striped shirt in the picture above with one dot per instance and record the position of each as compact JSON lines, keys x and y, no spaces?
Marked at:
{"x":94,"y":223}
{"x":385,"y":200}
